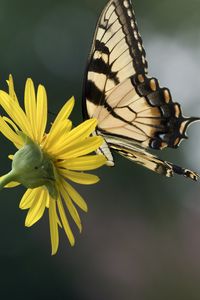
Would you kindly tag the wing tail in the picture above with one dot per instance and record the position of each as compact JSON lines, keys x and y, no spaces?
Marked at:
{"x":148,"y":160}
{"x":157,"y":165}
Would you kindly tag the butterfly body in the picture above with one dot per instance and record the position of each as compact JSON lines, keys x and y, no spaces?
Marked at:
{"x":134,"y":113}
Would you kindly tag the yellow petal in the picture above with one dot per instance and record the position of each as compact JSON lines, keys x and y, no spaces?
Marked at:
{"x":84,"y":163}
{"x":11,"y":185}
{"x":65,"y":111}
{"x":65,"y":222}
{"x":63,"y":114}
{"x":8,"y":132}
{"x":79,"y":177}
{"x":16,"y":113}
{"x":41,"y":112}
{"x":53,"y":226}
{"x":54,"y":137}
{"x":10,"y":122}
{"x":78,"y":134}
{"x":29,"y":196}
{"x":30,"y":105}
{"x":59,"y":222}
{"x":85,"y":147}
{"x":27,"y":199}
{"x":11,"y":88}
{"x":71,"y":208}
{"x":37,"y":208}
{"x":75,"y":196}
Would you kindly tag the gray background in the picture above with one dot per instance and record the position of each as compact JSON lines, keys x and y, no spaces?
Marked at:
{"x":141,"y":237}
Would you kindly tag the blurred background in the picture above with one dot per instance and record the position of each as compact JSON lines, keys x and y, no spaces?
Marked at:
{"x":141,"y":237}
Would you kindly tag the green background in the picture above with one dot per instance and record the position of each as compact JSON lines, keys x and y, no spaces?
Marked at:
{"x":141,"y":237}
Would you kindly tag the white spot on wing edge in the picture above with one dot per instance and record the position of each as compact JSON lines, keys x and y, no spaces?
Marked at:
{"x":135,"y":34}
{"x":132,"y":24}
{"x":140,"y":47}
{"x":129,"y":12}
{"x":126,"y":4}
{"x":143,"y":60}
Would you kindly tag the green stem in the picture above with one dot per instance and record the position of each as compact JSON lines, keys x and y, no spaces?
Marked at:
{"x":11,"y":176}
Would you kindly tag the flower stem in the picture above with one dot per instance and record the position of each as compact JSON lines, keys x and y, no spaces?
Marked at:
{"x":11,"y":176}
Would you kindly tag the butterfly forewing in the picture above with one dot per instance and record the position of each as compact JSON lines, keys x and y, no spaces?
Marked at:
{"x":117,"y":53}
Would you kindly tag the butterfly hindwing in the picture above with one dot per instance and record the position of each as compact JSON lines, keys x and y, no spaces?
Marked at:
{"x":141,"y":156}
{"x":139,"y":110}
{"x":157,"y":165}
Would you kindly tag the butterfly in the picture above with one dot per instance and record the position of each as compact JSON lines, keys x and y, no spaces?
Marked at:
{"x":134,"y":113}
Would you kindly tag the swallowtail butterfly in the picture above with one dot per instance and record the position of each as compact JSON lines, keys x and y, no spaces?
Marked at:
{"x":134,"y":113}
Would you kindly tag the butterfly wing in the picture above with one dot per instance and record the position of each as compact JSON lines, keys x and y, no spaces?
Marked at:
{"x":127,"y":104}
{"x":141,"y":111}
{"x":142,"y":157}
{"x":117,"y":53}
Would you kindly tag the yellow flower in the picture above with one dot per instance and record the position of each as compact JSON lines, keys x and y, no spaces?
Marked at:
{"x":45,"y":162}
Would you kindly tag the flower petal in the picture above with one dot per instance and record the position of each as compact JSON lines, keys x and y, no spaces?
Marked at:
{"x":75,"y":196}
{"x":41,"y":112}
{"x":65,"y":111}
{"x":12,"y":185}
{"x":53,"y":226}
{"x":37,"y":208}
{"x":87,"y":146}
{"x":53,"y":139}
{"x":79,"y":177}
{"x":30,"y":105}
{"x":83,"y":163}
{"x":63,"y":114}
{"x":16,"y":113}
{"x":78,"y":134}
{"x":71,"y":208}
{"x":65,"y":222}
{"x":11,"y":88}
{"x":10,"y":122}
{"x":28,"y":198}
{"x":11,"y":135}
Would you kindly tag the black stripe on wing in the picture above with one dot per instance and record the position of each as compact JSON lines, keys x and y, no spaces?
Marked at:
{"x":144,"y":113}
{"x":155,"y":164}
{"x":117,"y":53}
{"x":133,"y":37}
{"x":174,"y":124}
{"x":119,"y":16}
{"x":99,"y":65}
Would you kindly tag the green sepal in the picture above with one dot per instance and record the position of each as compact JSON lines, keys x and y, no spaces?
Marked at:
{"x":32,"y":168}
